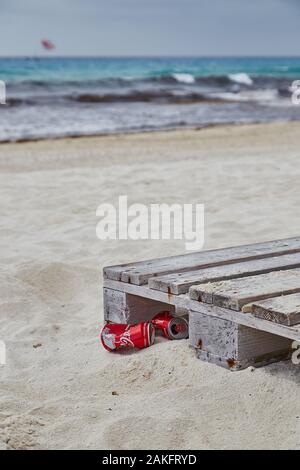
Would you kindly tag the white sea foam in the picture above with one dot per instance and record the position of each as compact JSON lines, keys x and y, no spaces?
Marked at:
{"x":263,"y":96}
{"x":228,"y":96}
{"x":242,"y":78}
{"x":184,"y":77}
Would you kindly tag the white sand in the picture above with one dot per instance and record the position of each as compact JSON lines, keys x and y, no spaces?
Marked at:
{"x":56,"y":389}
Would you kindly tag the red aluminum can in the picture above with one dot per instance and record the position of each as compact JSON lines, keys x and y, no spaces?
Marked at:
{"x":117,"y":336}
{"x":171,"y":326}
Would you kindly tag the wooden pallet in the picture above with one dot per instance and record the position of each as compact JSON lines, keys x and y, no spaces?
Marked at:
{"x":243,"y":302}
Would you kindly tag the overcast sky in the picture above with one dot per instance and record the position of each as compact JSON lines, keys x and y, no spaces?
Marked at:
{"x":151,"y":27}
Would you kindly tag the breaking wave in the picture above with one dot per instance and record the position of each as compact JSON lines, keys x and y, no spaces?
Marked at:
{"x":184,"y":78}
{"x":242,"y":78}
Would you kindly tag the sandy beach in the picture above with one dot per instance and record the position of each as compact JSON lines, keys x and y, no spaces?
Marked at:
{"x":59,"y":388}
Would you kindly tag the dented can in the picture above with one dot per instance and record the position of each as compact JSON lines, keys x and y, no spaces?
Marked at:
{"x":118,"y":336}
{"x":171,"y":326}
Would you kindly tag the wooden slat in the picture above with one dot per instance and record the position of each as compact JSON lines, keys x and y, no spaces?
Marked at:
{"x":139,"y":273}
{"x":284,"y":310}
{"x":236,"y":293}
{"x":179,"y":283}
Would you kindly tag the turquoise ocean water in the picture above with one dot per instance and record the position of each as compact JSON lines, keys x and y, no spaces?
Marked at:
{"x":54,"y":97}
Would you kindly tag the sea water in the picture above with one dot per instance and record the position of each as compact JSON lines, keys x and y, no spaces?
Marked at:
{"x":56,"y":97}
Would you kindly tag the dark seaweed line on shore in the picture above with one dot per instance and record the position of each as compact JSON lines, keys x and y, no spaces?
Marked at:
{"x":148,"y":130}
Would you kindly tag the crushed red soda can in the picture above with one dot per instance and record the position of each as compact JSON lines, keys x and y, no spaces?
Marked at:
{"x":171,"y":326}
{"x":118,"y":336}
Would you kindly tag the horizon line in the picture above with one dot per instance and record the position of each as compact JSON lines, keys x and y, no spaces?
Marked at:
{"x":154,"y":56}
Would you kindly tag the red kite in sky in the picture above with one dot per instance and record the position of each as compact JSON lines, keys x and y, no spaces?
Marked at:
{"x":47,"y":44}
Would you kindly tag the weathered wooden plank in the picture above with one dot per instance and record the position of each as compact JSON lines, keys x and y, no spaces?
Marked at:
{"x":179,"y":283}
{"x":284,"y":310}
{"x":236,"y":293}
{"x":139,"y":273}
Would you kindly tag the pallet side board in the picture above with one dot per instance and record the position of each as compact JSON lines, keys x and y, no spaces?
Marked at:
{"x":185,"y":303}
{"x":139,"y":273}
